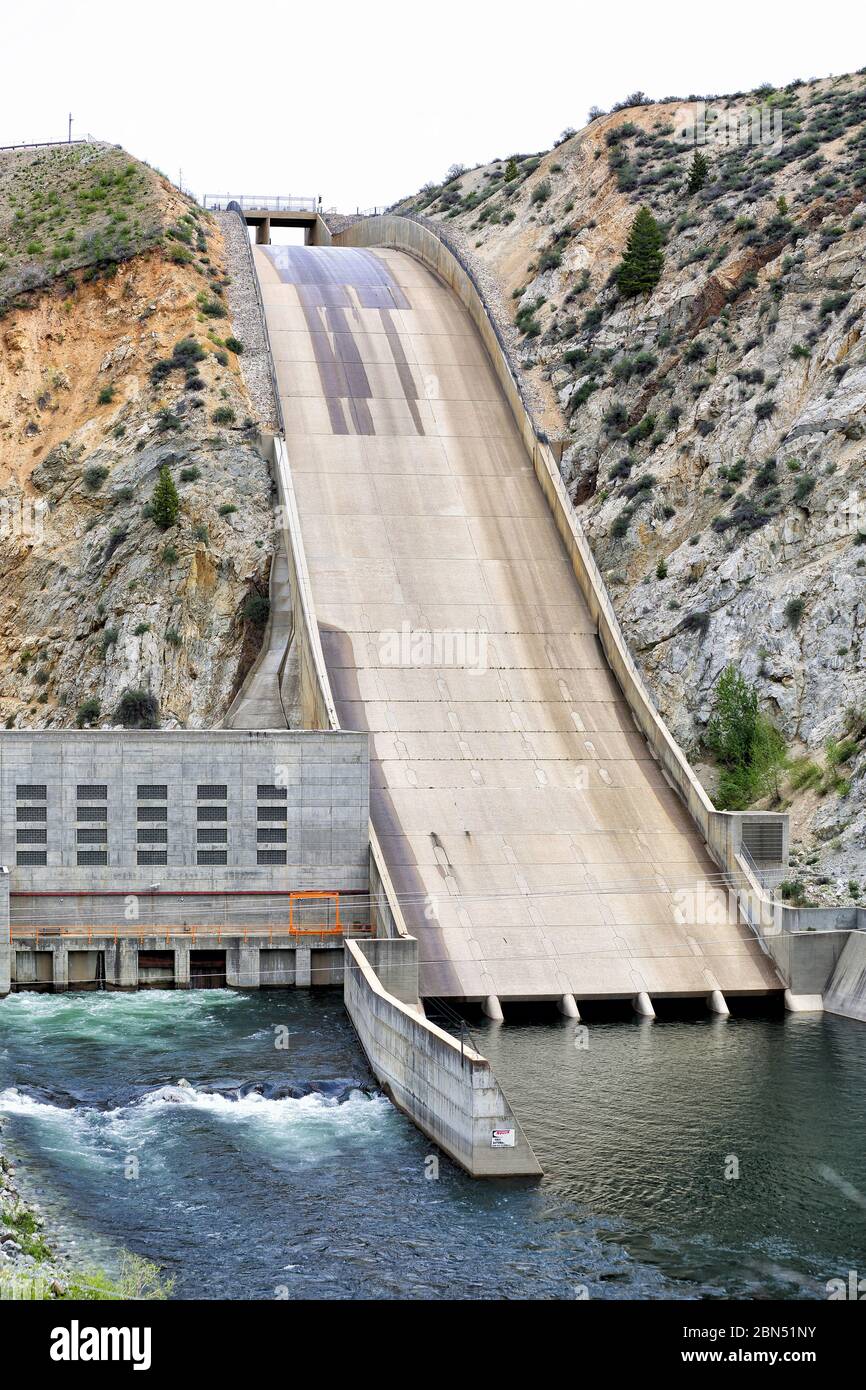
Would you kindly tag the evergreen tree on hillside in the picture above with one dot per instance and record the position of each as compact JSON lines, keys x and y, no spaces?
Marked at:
{"x":698,"y":173}
{"x":165,"y":503}
{"x":511,"y":170}
{"x":644,"y":260}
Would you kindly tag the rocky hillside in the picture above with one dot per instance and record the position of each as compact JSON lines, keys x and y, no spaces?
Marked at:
{"x":711,"y":430}
{"x":117,"y":361}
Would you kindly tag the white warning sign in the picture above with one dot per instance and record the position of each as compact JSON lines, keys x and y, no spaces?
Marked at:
{"x":502,"y":1139}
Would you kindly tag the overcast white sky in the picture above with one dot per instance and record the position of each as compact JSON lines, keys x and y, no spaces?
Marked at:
{"x":364,"y":102}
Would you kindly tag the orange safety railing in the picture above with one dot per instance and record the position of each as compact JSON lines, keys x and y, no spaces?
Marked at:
{"x":243,"y":931}
{"x":315,"y":894}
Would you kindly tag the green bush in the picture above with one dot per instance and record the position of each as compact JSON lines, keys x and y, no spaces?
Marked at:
{"x":88,"y":712}
{"x":234,"y":345}
{"x":94,"y":476}
{"x":138,"y":709}
{"x":224,"y":415}
{"x":748,"y":747}
{"x":256,"y":609}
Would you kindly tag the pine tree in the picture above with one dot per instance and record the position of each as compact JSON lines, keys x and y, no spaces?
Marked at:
{"x":644,"y":260}
{"x":698,"y":173}
{"x":165,"y":503}
{"x":511,"y":170}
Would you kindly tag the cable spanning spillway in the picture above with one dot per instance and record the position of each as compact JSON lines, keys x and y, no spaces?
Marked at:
{"x":516,"y":804}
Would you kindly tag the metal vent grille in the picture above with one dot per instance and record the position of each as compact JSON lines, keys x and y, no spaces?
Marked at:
{"x":31,"y":813}
{"x":94,"y":793}
{"x":215,"y":835}
{"x":153,"y":856}
{"x":92,"y":837}
{"x":93,"y":856}
{"x":271,"y":856}
{"x":32,"y":791}
{"x":277,"y":835}
{"x":152,"y":791}
{"x":211,"y":813}
{"x":31,"y":856}
{"x":153,"y":813}
{"x":267,"y":793}
{"x":92,"y":813}
{"x":212,"y":792}
{"x":212,"y":856}
{"x":272,"y":813}
{"x":36,"y":835}
{"x":764,"y":840}
{"x":152,"y":834}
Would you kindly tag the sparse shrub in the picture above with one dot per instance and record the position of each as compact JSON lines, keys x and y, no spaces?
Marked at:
{"x":794,"y":610}
{"x":138,"y":709}
{"x":223,"y":415}
{"x":94,"y":476}
{"x":234,"y":345}
{"x":106,"y":395}
{"x":88,"y":712}
{"x":256,"y":609}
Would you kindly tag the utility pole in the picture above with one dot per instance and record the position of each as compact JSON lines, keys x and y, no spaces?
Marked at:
{"x":70,"y":128}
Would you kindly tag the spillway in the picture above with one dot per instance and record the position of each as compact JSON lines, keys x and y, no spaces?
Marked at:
{"x":536,"y":847}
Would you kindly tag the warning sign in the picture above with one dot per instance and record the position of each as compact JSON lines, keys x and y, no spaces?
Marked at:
{"x":502,"y":1139}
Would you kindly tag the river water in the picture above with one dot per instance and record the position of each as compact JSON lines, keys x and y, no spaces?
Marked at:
{"x":686,"y":1158}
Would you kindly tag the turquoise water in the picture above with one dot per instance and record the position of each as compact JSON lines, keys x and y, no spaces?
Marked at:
{"x":282,"y":1172}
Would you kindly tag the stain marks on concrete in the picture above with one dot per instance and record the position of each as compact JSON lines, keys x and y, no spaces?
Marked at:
{"x":333,"y":285}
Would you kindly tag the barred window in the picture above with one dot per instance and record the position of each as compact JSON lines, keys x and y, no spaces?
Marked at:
{"x":152,"y":834}
{"x":92,"y":813}
{"x":267,"y":793}
{"x":211,"y":813}
{"x":271,"y":856}
{"x":32,"y":791}
{"x":272,"y":813}
{"x":215,"y":834}
{"x":153,"y":813}
{"x":152,"y":791}
{"x":212,"y":792}
{"x":36,"y":835}
{"x":98,"y":792}
{"x":93,"y":856}
{"x":276,"y":834}
{"x":31,"y":813}
{"x":92,"y":837}
{"x":212,"y":856}
{"x":153,"y":856}
{"x":31,"y":856}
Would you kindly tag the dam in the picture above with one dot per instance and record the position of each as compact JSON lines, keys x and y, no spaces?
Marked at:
{"x":443,"y":781}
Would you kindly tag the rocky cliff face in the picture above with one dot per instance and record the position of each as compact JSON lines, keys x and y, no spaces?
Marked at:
{"x":712,"y":431}
{"x":117,"y":360}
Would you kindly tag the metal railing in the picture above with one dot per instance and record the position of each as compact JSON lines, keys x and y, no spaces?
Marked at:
{"x":769,"y":876}
{"x":261,"y":202}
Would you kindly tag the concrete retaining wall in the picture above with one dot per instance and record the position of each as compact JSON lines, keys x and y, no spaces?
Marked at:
{"x":450,"y":1093}
{"x":846,"y":992}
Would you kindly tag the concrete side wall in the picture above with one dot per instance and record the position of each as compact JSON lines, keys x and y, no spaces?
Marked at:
{"x":5,"y":947}
{"x":846,"y":992}
{"x":451,"y":1095}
